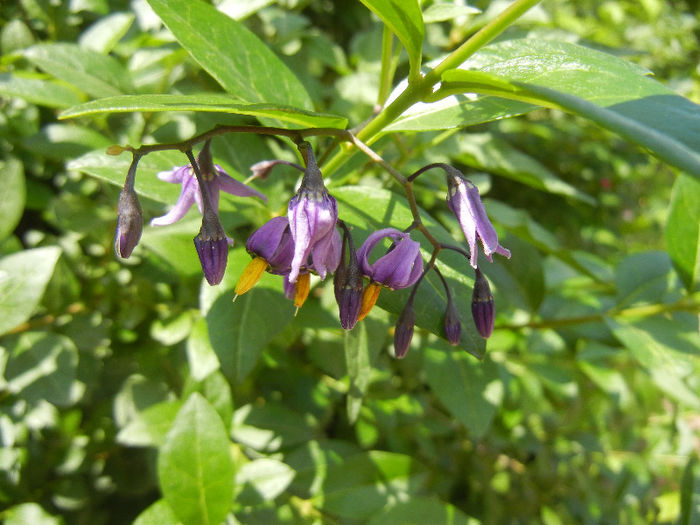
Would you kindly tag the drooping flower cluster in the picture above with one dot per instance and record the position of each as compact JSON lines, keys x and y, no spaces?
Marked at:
{"x":307,"y":241}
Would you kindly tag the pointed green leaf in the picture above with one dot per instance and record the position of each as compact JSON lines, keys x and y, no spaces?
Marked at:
{"x":234,"y":56}
{"x":23,"y":279}
{"x":472,"y":391}
{"x":93,"y":73}
{"x":683,"y":231}
{"x":37,"y":90}
{"x":405,"y":19}
{"x":612,"y":92}
{"x":195,"y":469}
{"x":14,"y":195}
{"x":362,"y":344}
{"x":205,"y":102}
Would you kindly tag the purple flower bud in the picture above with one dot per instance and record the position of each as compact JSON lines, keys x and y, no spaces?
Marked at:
{"x":403,"y":333}
{"x":312,"y":216}
{"x":129,"y":223}
{"x":464,"y":201}
{"x":212,"y":247}
{"x":483,"y":309}
{"x":400,"y":267}
{"x":453,"y":326}
{"x":129,"y":216}
{"x":347,"y":285}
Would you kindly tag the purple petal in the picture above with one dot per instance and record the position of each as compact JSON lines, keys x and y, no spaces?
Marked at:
{"x":326,"y":253}
{"x":484,"y":228}
{"x":396,"y":268}
{"x":371,"y":242}
{"x":230,"y":185}
{"x":265,"y":240}
{"x":183,"y":204}
{"x":175,"y":175}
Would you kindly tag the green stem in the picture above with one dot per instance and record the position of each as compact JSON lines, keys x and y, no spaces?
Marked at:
{"x":387,"y":74}
{"x":415,"y":92}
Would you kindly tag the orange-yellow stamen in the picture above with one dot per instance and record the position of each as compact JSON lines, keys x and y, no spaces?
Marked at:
{"x":369,"y":297}
{"x":251,"y":275}
{"x":301,"y":290}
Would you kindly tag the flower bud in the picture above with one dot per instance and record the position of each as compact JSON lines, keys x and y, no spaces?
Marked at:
{"x":403,"y":333}
{"x":212,"y":247}
{"x":347,"y":285}
{"x":453,"y":326}
{"x":129,"y":216}
{"x":483,"y":309}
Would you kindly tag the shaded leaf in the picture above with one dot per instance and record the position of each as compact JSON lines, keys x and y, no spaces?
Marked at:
{"x":195,"y":469}
{"x":642,"y":277}
{"x":270,"y":427}
{"x":472,"y":391}
{"x":42,"y":366}
{"x":159,"y":513}
{"x":14,"y":196}
{"x":234,"y":56}
{"x":205,"y":102}
{"x":683,"y":231}
{"x":37,"y":90}
{"x":23,"y":279}
{"x":419,"y":511}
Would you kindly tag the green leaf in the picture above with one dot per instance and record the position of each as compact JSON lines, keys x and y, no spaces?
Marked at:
{"x":642,"y":277}
{"x":149,"y":427}
{"x":612,"y":92}
{"x":690,"y":493}
{"x":206,"y":102}
{"x":195,"y":469}
{"x":93,"y":73}
{"x":487,"y":152}
{"x":104,"y":34}
{"x":42,"y":366}
{"x":37,"y":90}
{"x":405,"y":19}
{"x":29,"y":514}
{"x":443,"y":11}
{"x":14,"y":196}
{"x":159,"y":513}
{"x":683,"y":231}
{"x":239,"y":331}
{"x":234,"y":56}
{"x":23,"y":279}
{"x":262,"y":480}
{"x":200,"y":354}
{"x":669,"y":350}
{"x":419,"y":511}
{"x":368,"y":209}
{"x":365,"y":483}
{"x":61,"y":141}
{"x":270,"y":427}
{"x":472,"y":391}
{"x":362,"y":344}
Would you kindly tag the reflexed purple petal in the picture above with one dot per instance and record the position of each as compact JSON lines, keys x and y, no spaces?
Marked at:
{"x":183,"y":204}
{"x":371,"y":242}
{"x":484,"y":228}
{"x":175,"y":175}
{"x":400,"y":267}
{"x":265,"y":240}
{"x":230,"y":185}
{"x":213,"y":255}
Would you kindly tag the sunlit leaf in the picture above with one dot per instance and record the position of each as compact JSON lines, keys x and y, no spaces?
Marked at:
{"x":683,"y":230}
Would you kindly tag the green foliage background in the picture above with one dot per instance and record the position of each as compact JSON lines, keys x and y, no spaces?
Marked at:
{"x":131,"y":391}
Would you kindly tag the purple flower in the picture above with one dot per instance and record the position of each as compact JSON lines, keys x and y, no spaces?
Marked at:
{"x":483,"y":309}
{"x":464,"y":201}
{"x":400,"y":267}
{"x":273,"y":243}
{"x":312,"y":216}
{"x":215,"y":180}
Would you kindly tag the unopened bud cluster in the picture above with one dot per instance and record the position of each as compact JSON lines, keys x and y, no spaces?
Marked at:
{"x":307,"y":240}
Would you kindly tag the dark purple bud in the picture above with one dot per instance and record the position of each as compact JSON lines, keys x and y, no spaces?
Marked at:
{"x":213,"y":254}
{"x":453,"y":326}
{"x":347,"y":285}
{"x":403,"y":333}
{"x":129,"y":216}
{"x":483,"y":309}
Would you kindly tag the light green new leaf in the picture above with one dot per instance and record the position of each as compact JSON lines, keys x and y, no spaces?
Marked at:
{"x":206,"y":102}
{"x":234,"y":56}
{"x":104,"y":34}
{"x":262,"y":480}
{"x":608,"y":90}
{"x":683,"y":230}
{"x":14,"y":195}
{"x":405,"y":19}
{"x":23,"y":279}
{"x":470,"y":390}
{"x":195,"y":469}
{"x":37,"y":90}
{"x":91,"y":72}
{"x":42,"y":366}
